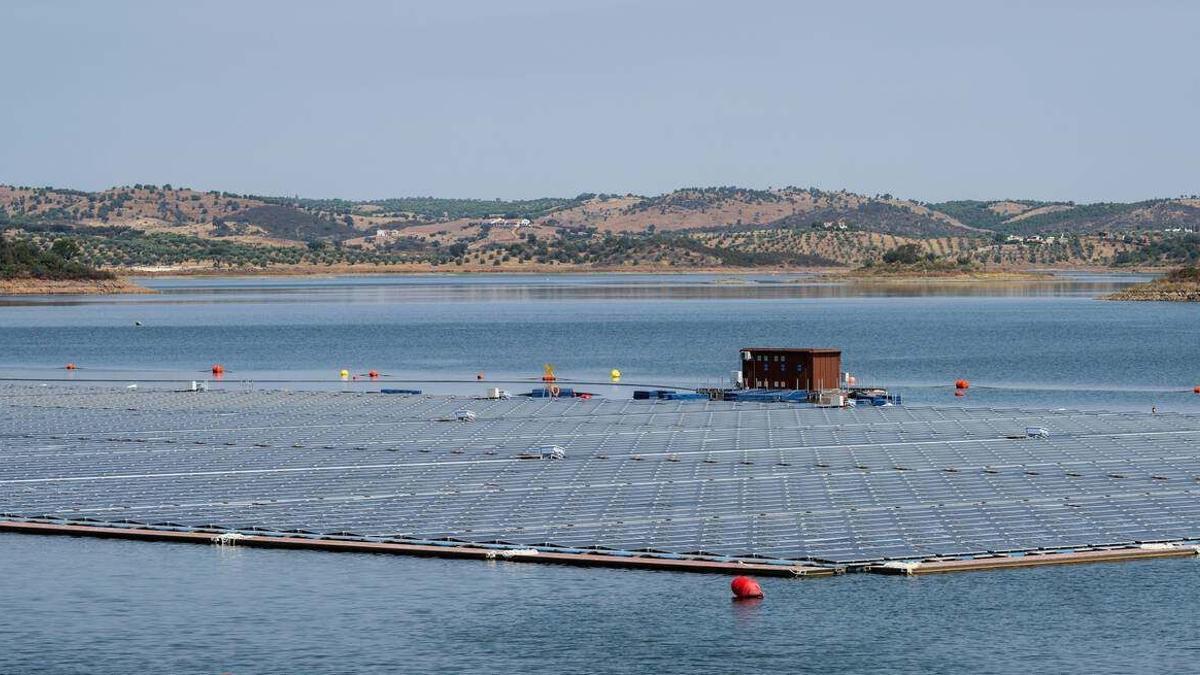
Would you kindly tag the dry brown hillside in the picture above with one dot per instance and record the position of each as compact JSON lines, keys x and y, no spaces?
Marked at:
{"x":146,"y":225}
{"x":715,"y":208}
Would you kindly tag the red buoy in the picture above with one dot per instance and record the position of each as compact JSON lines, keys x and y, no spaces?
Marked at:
{"x":745,"y":587}
{"x":72,"y":366}
{"x":218,"y":369}
{"x":962,"y":384}
{"x":1195,"y":390}
{"x":373,"y":374}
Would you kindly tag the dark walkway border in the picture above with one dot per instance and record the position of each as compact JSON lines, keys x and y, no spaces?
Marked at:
{"x":462,"y":552}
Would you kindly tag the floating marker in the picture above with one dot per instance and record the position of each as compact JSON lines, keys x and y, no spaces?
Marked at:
{"x":744,"y":588}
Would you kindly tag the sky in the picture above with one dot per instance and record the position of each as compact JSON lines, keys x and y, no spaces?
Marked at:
{"x":1084,"y":101}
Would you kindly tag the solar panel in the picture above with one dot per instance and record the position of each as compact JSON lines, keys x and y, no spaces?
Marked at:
{"x":738,"y":479}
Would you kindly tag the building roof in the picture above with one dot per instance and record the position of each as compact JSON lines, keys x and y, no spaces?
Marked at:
{"x":794,"y":350}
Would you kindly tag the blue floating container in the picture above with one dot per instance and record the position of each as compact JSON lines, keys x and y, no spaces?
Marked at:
{"x":544,"y":392}
{"x":685,"y":396}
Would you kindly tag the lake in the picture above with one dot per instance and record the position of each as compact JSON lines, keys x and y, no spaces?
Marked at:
{"x":1042,"y":344}
{"x":77,"y":605}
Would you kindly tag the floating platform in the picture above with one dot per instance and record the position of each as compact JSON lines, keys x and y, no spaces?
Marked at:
{"x":710,"y":486}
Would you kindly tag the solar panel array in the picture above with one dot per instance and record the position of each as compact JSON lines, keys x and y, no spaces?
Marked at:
{"x":745,"y":480}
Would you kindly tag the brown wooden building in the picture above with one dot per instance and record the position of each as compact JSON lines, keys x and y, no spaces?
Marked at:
{"x":803,"y":369}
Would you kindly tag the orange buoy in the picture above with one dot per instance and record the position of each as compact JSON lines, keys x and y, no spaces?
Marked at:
{"x":962,"y":384}
{"x":71,"y":366}
{"x":373,"y":374}
{"x":745,"y":587}
{"x":218,"y":369}
{"x":1196,"y":390}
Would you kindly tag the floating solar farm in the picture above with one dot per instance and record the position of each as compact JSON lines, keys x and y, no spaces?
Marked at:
{"x":696,"y":485}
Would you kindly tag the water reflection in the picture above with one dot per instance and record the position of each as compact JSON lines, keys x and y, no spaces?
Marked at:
{"x":395,"y":289}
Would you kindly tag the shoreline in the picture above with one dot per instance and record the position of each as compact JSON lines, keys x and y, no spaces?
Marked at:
{"x":124,"y":282}
{"x":830,"y":272}
{"x":1180,"y":285}
{"x":1158,"y":291}
{"x":119,"y":285}
{"x":400,"y":270}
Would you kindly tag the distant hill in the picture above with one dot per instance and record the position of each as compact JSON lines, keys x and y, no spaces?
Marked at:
{"x":1032,"y":217}
{"x":148,"y":225}
{"x":739,"y":208}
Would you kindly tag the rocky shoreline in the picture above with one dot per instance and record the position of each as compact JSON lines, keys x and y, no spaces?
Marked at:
{"x":29,"y":286}
{"x":1181,"y":285}
{"x":1157,"y":291}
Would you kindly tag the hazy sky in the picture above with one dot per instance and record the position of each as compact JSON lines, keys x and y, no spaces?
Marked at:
{"x":1064,"y":100}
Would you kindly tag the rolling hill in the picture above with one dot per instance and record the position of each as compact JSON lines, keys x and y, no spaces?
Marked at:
{"x":698,"y":227}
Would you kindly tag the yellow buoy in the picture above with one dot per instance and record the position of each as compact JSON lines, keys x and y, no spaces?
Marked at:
{"x":345,"y":373}
{"x":615,"y":374}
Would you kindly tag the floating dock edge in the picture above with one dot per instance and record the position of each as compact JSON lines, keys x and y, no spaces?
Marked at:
{"x":460,"y":552}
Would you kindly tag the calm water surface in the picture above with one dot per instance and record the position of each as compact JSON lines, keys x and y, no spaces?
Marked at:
{"x":86,"y":606}
{"x":1047,"y":344}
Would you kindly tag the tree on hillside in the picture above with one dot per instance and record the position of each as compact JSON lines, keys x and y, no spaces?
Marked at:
{"x":65,"y":248}
{"x":906,"y":254}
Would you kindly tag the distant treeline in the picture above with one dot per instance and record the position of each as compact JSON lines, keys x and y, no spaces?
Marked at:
{"x":699,"y":199}
{"x":433,"y":207}
{"x":21,"y":259}
{"x":61,"y":227}
{"x":289,"y":223}
{"x":1183,"y":250}
{"x":661,"y":249}
{"x":980,"y":214}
